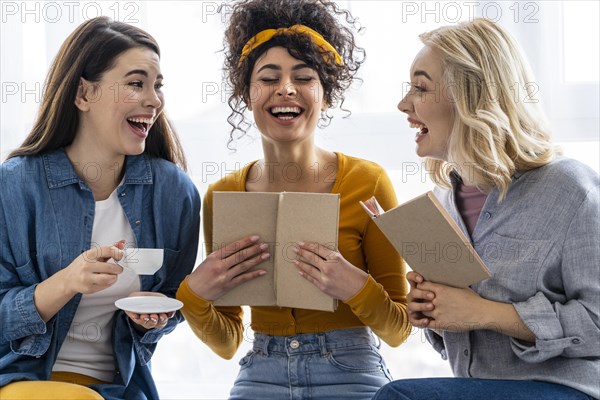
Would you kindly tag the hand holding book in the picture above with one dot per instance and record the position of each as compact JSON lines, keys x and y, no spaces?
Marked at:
{"x":282,"y":220}
{"x":429,"y":240}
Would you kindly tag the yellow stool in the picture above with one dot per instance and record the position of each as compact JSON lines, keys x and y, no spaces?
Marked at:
{"x":63,"y":386}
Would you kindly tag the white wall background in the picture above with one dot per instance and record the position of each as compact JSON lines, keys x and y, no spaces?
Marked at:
{"x":560,"y":38}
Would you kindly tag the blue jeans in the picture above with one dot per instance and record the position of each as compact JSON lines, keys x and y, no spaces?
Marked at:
{"x":476,"y":389}
{"x":340,"y":364}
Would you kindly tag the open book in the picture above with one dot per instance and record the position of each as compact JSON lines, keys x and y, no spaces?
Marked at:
{"x":281,"y":220}
{"x":429,"y":240}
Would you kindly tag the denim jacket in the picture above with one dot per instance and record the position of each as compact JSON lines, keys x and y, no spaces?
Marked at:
{"x":46,"y":219}
{"x":542,"y":245}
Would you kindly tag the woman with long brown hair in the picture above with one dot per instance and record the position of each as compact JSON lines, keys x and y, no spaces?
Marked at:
{"x":101,"y":171}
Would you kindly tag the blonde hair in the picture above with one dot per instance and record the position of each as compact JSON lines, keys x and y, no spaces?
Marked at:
{"x":499,"y":126}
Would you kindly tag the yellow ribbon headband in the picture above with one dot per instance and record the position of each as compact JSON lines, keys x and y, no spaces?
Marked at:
{"x":268,"y":34}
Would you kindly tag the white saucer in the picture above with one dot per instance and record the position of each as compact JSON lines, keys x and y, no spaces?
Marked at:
{"x":149,"y":304}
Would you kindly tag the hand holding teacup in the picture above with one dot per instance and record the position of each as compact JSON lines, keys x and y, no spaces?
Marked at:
{"x":142,"y":261}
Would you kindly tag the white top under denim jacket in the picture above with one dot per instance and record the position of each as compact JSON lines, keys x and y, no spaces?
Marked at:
{"x":46,"y":219}
{"x":542,"y":245}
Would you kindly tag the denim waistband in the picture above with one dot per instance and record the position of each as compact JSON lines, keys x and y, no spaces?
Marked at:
{"x":321,"y":342}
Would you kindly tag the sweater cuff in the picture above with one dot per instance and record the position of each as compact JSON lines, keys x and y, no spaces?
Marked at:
{"x":191,"y":301}
{"x":366,"y":298}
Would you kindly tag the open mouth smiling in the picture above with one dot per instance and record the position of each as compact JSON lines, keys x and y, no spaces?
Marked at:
{"x":286,"y":113}
{"x":423,"y":130}
{"x":140,"y":124}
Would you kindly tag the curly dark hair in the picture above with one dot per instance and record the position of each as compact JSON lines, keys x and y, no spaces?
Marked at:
{"x":249,"y":17}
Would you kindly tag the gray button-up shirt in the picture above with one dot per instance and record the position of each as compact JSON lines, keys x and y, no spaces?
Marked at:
{"x":542,"y":245}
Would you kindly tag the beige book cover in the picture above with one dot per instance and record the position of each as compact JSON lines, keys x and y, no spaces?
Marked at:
{"x":429,"y":240}
{"x":281,"y":220}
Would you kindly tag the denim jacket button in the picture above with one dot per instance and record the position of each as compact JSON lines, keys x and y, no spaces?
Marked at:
{"x":575,"y":341}
{"x":466,"y":352}
{"x":488,"y":215}
{"x":138,"y":222}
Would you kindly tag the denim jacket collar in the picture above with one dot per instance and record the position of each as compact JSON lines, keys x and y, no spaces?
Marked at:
{"x":60,"y":172}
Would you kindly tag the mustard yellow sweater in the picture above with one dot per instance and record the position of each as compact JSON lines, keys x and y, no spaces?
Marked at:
{"x":380,"y":304}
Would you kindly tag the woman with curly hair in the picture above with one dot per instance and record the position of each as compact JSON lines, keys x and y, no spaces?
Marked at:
{"x":530,"y":331}
{"x":288,"y":62}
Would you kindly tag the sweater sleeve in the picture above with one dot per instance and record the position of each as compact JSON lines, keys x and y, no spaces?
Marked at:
{"x":221,"y":328}
{"x":381,"y":303}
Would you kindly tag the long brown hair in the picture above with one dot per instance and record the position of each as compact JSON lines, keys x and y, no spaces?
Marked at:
{"x":87,"y":53}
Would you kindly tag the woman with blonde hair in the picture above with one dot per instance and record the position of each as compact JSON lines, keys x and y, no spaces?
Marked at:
{"x":101,"y":170}
{"x":531,"y":330}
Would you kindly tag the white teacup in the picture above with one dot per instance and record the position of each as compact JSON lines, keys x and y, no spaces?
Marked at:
{"x":142,"y":261}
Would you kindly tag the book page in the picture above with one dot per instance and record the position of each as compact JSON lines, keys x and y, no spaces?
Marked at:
{"x":303,"y":217}
{"x":239,"y":214}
